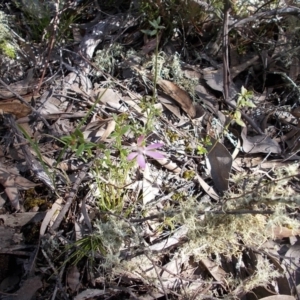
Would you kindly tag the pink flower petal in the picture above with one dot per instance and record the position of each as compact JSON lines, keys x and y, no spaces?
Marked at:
{"x":155,"y":155}
{"x":132,"y":155}
{"x":140,"y":140}
{"x":154,"y":146}
{"x":141,"y":161}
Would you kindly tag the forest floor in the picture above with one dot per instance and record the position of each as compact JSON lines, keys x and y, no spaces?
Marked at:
{"x":149,"y":150}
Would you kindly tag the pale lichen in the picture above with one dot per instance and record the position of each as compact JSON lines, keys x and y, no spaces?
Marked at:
{"x":7,"y":45}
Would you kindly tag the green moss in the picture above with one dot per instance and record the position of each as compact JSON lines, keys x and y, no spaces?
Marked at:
{"x":31,"y":200}
{"x":8,"y":49}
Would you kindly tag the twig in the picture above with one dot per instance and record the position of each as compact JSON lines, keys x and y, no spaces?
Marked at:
{"x":57,"y":275}
{"x":157,"y":274}
{"x":290,"y":10}
{"x":55,"y":23}
{"x":71,"y":197}
{"x":35,"y":165}
{"x":225,"y":212}
{"x":226,"y":70}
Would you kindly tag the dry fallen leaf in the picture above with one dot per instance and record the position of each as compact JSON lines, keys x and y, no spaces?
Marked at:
{"x":168,"y":164}
{"x":220,"y":161}
{"x":169,"y":103}
{"x":208,"y":189}
{"x":294,"y":68}
{"x":279,"y":297}
{"x":259,"y":143}
{"x":279,"y":232}
{"x":109,"y":97}
{"x":179,"y":95}
{"x":21,"y":87}
{"x":98,"y":130}
{"x":73,"y":278}
{"x":150,"y":189}
{"x":51,"y":215}
{"x":215,"y":270}
{"x":14,"y":107}
{"x":13,"y":182}
{"x":28,"y":289}
{"x":173,"y":240}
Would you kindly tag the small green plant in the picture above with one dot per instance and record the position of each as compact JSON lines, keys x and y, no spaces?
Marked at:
{"x":178,"y":15}
{"x":77,"y":143}
{"x":173,"y":136}
{"x":110,"y":177}
{"x":201,"y":148}
{"x":89,"y":247}
{"x":152,"y":113}
{"x":37,"y":16}
{"x":104,"y":243}
{"x":236,"y":116}
{"x":120,"y":130}
{"x":112,"y":169}
{"x":243,"y":101}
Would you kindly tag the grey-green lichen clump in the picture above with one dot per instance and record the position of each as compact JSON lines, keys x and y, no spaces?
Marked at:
{"x":7,"y":46}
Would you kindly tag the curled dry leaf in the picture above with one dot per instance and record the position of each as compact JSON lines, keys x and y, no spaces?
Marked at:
{"x":51,"y":215}
{"x":259,"y":143}
{"x":179,"y":95}
{"x":109,"y":97}
{"x":294,"y":68}
{"x":220,"y":161}
{"x":215,"y":270}
{"x":78,"y":83}
{"x":279,"y":232}
{"x":150,"y":45}
{"x":98,"y":130}
{"x":21,"y":87}
{"x":169,"y":103}
{"x":21,"y":219}
{"x":208,"y":189}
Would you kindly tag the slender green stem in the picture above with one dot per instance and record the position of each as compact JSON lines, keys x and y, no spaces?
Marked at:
{"x":155,"y":69}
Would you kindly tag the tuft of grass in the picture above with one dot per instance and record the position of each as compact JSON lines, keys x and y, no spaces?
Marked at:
{"x":105,"y":243}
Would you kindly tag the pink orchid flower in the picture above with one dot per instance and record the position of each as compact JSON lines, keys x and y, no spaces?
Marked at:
{"x":142,"y":151}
